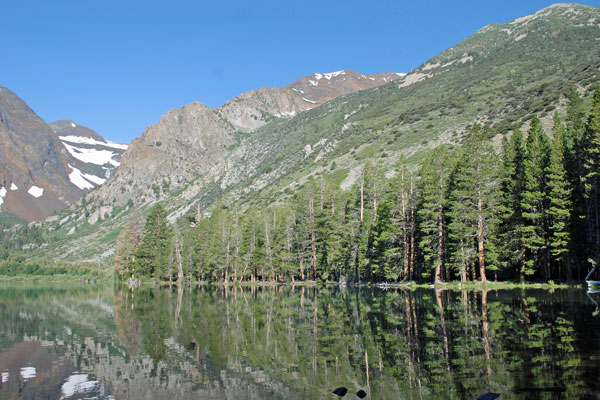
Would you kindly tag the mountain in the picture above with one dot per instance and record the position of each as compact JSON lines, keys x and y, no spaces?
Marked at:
{"x":45,"y":167}
{"x":91,"y":157}
{"x":499,"y":76}
{"x":319,"y":88}
{"x":190,"y":141}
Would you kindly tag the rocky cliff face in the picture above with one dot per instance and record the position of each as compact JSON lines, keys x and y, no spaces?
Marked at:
{"x":184,"y":144}
{"x":43,"y":168}
{"x":192,"y":140}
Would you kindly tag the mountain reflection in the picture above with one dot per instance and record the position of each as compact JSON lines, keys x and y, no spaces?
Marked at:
{"x":295,"y":343}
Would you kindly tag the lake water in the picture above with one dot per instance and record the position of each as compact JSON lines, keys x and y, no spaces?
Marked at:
{"x":76,"y":342}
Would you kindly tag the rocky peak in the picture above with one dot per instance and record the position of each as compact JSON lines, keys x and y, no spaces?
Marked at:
{"x":192,"y":140}
{"x":70,"y":128}
{"x":319,"y":88}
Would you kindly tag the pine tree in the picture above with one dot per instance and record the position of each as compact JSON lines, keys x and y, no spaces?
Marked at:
{"x":575,"y":122}
{"x":535,"y":200}
{"x":432,"y":210}
{"x":153,"y":250}
{"x":397,"y":226}
{"x":512,"y":185}
{"x":127,"y":243}
{"x":590,"y":149}
{"x":559,"y":191}
{"x":474,"y":199}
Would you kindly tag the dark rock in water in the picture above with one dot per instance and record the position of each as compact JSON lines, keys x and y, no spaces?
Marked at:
{"x":488,"y":396}
{"x":341,"y":391}
{"x":361,"y":394}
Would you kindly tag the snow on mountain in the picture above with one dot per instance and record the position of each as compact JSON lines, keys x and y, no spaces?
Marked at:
{"x":88,"y":140}
{"x":36,"y":191}
{"x":92,"y":155}
{"x":84,"y":181}
{"x":91,"y":158}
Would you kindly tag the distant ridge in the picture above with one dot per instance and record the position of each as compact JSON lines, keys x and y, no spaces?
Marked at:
{"x":46,"y":167}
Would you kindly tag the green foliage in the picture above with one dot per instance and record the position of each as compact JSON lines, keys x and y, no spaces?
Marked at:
{"x":535,"y":201}
{"x":151,"y":254}
{"x":560,"y":205}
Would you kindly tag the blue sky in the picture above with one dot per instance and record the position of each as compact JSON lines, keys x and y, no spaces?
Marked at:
{"x":117,"y":66}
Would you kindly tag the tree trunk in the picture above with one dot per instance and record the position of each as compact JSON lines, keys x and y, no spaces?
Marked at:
{"x":313,"y":235}
{"x":362,"y":197}
{"x":440,"y":251}
{"x":480,"y":240}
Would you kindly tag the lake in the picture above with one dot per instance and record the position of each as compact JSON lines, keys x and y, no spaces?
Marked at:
{"x":74,"y":341}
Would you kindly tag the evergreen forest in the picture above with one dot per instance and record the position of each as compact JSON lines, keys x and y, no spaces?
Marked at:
{"x":528,"y":211}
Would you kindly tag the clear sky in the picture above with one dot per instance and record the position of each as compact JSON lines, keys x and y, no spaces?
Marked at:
{"x":117,"y":66}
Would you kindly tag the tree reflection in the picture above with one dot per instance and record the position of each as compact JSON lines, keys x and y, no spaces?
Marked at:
{"x":393,"y":344}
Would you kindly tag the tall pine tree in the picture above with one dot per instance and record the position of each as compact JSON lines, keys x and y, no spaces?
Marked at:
{"x":535,"y":201}
{"x":153,"y":251}
{"x":559,"y":193}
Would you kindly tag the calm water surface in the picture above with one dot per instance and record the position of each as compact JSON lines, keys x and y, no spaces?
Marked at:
{"x":76,"y":342}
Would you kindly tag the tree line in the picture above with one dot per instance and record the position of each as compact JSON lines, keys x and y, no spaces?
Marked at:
{"x":527,"y":212}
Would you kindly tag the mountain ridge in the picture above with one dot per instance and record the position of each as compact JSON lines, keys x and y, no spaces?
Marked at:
{"x":490,"y":78}
{"x":43,"y":167}
{"x":191,"y":140}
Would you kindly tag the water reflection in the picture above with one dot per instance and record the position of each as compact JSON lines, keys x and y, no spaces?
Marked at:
{"x":297,"y":343}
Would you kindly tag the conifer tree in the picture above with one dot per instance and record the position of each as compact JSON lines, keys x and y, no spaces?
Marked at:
{"x":473,"y":203}
{"x":432,"y":210}
{"x":590,"y":149}
{"x":512,"y":185}
{"x":127,"y":243}
{"x":535,"y":200}
{"x":153,"y":250}
{"x":559,"y":193}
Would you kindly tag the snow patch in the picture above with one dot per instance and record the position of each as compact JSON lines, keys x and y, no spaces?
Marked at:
{"x":82,"y":180}
{"x":3,"y":192}
{"x":77,"y":384}
{"x":298,"y":90}
{"x":36,"y":191}
{"x":5,"y":376}
{"x":73,"y":125}
{"x":28,"y":373}
{"x":313,"y":83}
{"x":309,"y":101}
{"x":93,"y":156}
{"x":330,"y":75}
{"x":13,"y":186}
{"x":87,"y":140}
{"x":400,"y":73}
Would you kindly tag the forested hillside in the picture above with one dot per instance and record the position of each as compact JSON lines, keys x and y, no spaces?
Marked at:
{"x":379,"y":185}
{"x":468,"y":213}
